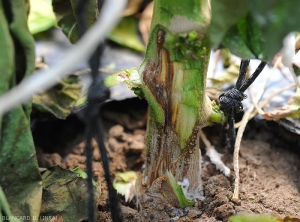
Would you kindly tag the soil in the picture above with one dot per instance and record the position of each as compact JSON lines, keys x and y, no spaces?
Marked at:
{"x":269,"y":168}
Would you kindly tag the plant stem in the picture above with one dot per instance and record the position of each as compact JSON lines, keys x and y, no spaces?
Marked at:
{"x":173,"y":79}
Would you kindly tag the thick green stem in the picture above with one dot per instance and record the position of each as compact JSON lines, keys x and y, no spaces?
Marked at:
{"x":173,"y":79}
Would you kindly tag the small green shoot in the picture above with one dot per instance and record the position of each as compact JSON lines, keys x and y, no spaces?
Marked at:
{"x":177,"y":190}
{"x":83,"y":175}
{"x":251,"y":197}
{"x":126,"y":185}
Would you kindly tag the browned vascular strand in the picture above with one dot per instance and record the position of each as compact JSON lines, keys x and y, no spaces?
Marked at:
{"x":158,"y":78}
{"x":165,"y":151}
{"x":161,"y":88}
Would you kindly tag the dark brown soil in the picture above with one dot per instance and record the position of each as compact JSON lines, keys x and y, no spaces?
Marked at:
{"x":269,"y":174}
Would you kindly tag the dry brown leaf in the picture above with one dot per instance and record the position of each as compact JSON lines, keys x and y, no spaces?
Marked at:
{"x":291,"y":109}
{"x":282,"y":112}
{"x":145,"y":22}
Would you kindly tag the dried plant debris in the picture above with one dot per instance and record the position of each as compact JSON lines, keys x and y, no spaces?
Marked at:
{"x":291,"y":109}
{"x":215,"y":158}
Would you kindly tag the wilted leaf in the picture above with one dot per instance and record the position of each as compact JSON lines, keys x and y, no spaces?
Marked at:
{"x":41,"y":16}
{"x":65,"y":194}
{"x":61,"y":99}
{"x":19,"y":175}
{"x":292,"y":109}
{"x":126,"y":34}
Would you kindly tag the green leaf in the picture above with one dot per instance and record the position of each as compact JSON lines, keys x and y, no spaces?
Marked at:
{"x":84,"y":175}
{"x":69,"y":27}
{"x":254,"y":218}
{"x":244,"y":39}
{"x":61,"y":99}
{"x":177,"y":191}
{"x":254,"y":29}
{"x":238,"y":32}
{"x":67,"y":18}
{"x":126,"y":34}
{"x":6,"y":55}
{"x":41,"y":16}
{"x":251,"y":33}
{"x":19,"y":175}
{"x":225,"y":14}
{"x":276,"y":19}
{"x":64,"y":194}
{"x":4,"y":208}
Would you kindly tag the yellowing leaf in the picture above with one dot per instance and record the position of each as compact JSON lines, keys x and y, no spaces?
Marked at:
{"x":59,"y":100}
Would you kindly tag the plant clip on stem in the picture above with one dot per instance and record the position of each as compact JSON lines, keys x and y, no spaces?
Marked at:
{"x":96,"y":96}
{"x":231,"y":101}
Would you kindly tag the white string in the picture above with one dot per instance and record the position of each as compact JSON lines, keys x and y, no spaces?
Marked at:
{"x":45,"y":79}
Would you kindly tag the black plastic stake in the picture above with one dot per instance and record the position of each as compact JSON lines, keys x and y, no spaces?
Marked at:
{"x":97,"y":94}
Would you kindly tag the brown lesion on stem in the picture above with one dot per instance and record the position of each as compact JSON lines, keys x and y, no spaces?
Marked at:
{"x":159,"y":77}
{"x":163,"y":140}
